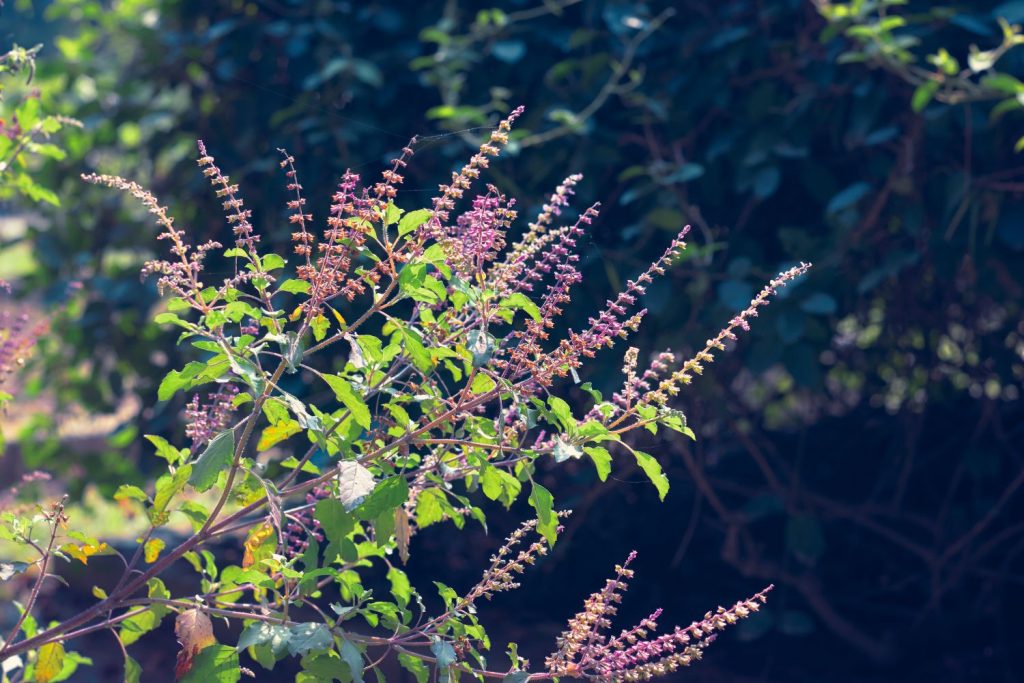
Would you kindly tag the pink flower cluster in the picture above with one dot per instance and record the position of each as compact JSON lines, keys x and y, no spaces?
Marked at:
{"x":204,"y":420}
{"x":585,"y":651}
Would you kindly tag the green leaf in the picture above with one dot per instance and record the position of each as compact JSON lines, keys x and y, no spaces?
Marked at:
{"x":400,"y":586}
{"x":132,"y":670}
{"x":923,"y":95}
{"x":497,"y":484}
{"x":547,"y":521}
{"x":165,"y":450}
{"x":211,"y":462}
{"x":344,"y":392}
{"x":309,"y":636}
{"x":275,"y":636}
{"x":129,"y":492}
{"x":522,"y":302}
{"x":336,"y":523}
{"x":562,"y":412}
{"x":273,"y":262}
{"x":354,"y":659}
{"x":214,"y":664}
{"x":652,"y":468}
{"x":321,"y":667}
{"x":387,"y":496}
{"x":176,"y":380}
{"x":139,"y":625}
{"x":167,"y":487}
{"x":415,"y":666}
{"x":294,"y":286}
{"x":482,"y":384}
{"x":516,"y":677}
{"x":412,"y":220}
{"x":430,"y":507}
{"x":320,"y":324}
{"x":417,"y":352}
{"x":602,"y":460}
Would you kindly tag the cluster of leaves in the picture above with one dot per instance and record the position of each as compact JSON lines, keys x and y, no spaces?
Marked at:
{"x":25,"y":128}
{"x":885,"y":38}
{"x":442,"y":402}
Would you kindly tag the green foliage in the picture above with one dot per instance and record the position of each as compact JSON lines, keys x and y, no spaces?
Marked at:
{"x":451,"y":398}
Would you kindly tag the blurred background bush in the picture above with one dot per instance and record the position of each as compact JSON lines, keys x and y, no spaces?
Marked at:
{"x":861,"y":448}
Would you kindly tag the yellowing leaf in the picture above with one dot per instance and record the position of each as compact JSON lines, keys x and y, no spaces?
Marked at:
{"x":319,"y":324}
{"x":338,"y":316}
{"x":275,"y":434}
{"x":295,"y":314}
{"x":83,"y":552}
{"x":50,"y":662}
{"x":259,"y":545}
{"x":194,"y":631}
{"x":153,"y":548}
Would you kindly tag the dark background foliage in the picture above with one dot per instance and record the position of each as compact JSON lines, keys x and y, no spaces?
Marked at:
{"x":860,"y":448}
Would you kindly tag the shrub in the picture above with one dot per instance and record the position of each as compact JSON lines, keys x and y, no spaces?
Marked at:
{"x":443,"y":392}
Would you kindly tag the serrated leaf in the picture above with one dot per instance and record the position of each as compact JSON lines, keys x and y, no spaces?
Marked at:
{"x":344,"y":392}
{"x":652,"y":468}
{"x":430,"y":506}
{"x":388,"y":495}
{"x":522,"y":302}
{"x":336,"y":523}
{"x":562,"y":412}
{"x":309,"y":636}
{"x":355,"y":483}
{"x":49,"y":662}
{"x":415,"y":666}
{"x":194,"y":632}
{"x":482,"y":383}
{"x":211,"y":462}
{"x":497,"y":484}
{"x":273,"y":262}
{"x":215,"y":664}
{"x":274,"y":636}
{"x":165,"y":450}
{"x":412,"y":220}
{"x":294,"y":286}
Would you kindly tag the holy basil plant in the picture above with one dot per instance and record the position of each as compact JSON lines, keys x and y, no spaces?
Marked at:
{"x":397,"y":371}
